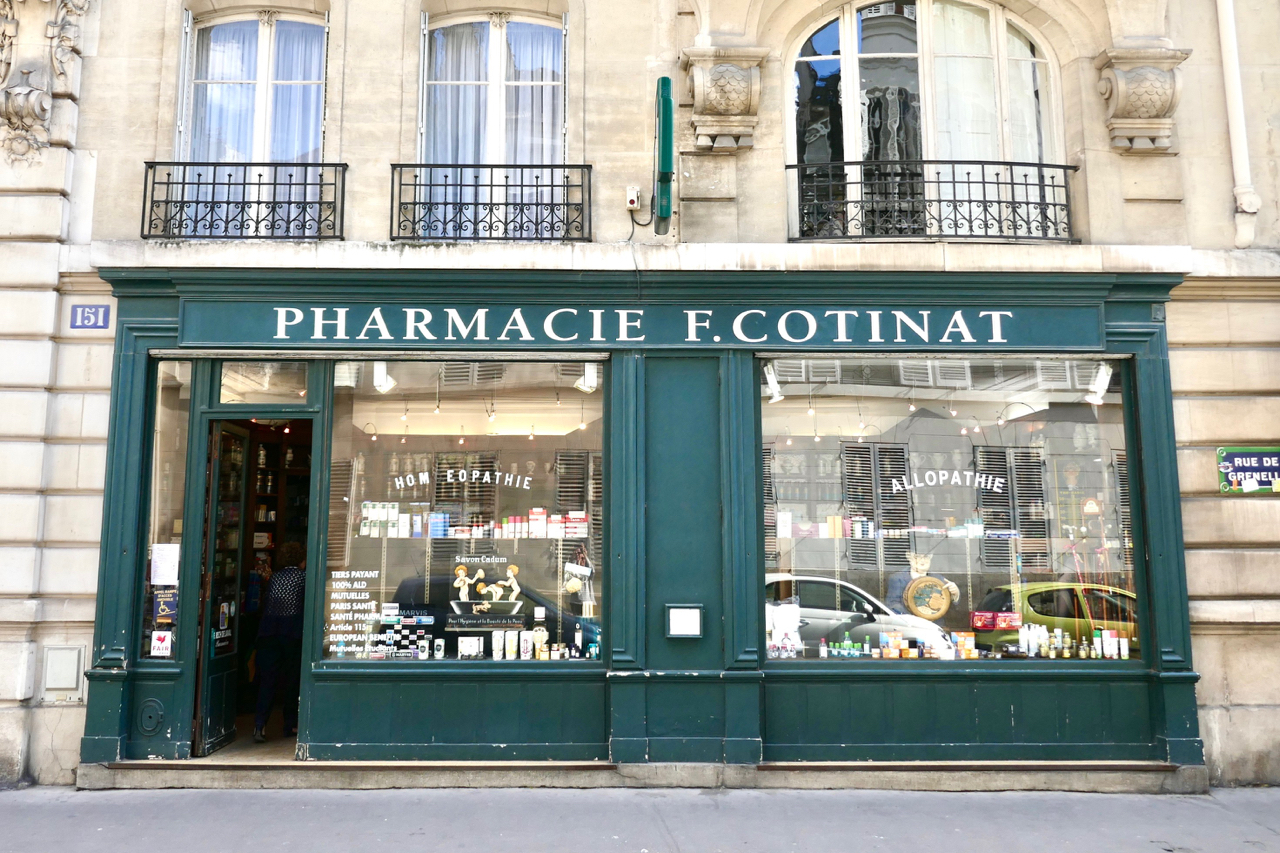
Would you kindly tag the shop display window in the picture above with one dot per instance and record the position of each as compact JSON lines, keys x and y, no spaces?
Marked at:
{"x":466,"y":511}
{"x":172,"y":411}
{"x":952,"y":509}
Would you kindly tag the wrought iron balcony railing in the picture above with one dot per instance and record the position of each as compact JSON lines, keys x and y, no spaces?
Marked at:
{"x":237,"y":201}
{"x":478,"y":202}
{"x":873,"y":200}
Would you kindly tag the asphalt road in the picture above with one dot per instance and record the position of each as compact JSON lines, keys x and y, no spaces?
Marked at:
{"x":635,"y":821}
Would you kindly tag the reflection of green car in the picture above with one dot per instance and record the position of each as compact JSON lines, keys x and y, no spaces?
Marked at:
{"x":1077,"y":608}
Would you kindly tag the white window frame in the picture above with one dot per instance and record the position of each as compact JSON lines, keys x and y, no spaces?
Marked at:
{"x":264,"y":85}
{"x":1000,"y":18}
{"x":495,"y":144}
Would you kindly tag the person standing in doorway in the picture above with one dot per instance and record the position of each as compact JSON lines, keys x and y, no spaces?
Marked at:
{"x":279,"y":650}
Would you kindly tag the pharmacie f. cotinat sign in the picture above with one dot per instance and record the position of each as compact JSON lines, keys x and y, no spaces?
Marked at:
{"x":373,"y":326}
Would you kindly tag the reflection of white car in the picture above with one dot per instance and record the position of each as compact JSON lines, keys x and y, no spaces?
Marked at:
{"x":829,"y":608}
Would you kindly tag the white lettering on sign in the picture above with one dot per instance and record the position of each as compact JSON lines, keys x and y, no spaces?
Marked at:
{"x":340,"y":323}
{"x":464,"y":475}
{"x":655,"y":325}
{"x":938,"y":477}
{"x":548,"y":325}
{"x":464,"y":329}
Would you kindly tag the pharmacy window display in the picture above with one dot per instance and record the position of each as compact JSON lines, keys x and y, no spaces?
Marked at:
{"x":466,"y":511}
{"x":951,"y":509}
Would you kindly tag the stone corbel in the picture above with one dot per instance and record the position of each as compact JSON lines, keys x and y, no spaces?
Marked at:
{"x":1141,"y":87}
{"x":724,"y":83}
{"x":30,"y":79}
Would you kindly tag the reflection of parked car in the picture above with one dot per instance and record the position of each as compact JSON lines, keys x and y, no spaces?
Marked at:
{"x":1076,"y":608}
{"x":829,"y":608}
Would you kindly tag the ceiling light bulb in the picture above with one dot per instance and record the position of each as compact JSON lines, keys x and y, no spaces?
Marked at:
{"x":811,"y":411}
{"x":437,"y":409}
{"x":375,"y":437}
{"x":977,"y":428}
{"x":911,"y":408}
{"x":817,"y":437}
{"x":493,"y":416}
{"x":964,"y":430}
{"x":788,"y":441}
{"x":862,"y":425}
{"x":999,"y":421}
{"x":461,"y":440}
{"x":531,"y":433}
{"x":286,"y":430}
{"x":953,"y":412}
{"x":582,"y":424}
{"x":403,"y":439}
{"x":859,"y":439}
{"x":405,"y":416}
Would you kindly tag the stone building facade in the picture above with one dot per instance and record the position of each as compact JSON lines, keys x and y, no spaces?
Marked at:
{"x":1166,"y":109}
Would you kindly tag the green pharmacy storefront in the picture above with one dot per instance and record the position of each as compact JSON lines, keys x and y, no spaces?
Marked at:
{"x":737,"y":517}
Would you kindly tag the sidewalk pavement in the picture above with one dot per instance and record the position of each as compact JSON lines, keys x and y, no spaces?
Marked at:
{"x":635,"y":821}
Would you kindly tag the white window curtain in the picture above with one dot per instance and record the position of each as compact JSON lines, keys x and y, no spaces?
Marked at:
{"x":258,"y":92}
{"x":493,"y":101}
{"x":224,"y":93}
{"x":968,"y":120}
{"x":257,"y":95}
{"x":297,"y":96}
{"x":1027,"y":75}
{"x":494,"y":94}
{"x":457,"y":94}
{"x":535,"y":107}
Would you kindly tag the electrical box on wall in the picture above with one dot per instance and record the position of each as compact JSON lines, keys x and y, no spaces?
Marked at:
{"x":63,"y":673}
{"x":633,"y":198}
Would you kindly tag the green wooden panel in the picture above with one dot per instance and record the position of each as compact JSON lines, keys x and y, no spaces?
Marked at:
{"x":472,"y":717}
{"x":686,"y":709}
{"x":906,"y":717}
{"x":683,"y":542}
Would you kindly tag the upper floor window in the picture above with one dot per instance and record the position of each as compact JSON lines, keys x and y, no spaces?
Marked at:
{"x":935,"y":80}
{"x":257,"y":91}
{"x":494,"y":93}
{"x":926,"y":119}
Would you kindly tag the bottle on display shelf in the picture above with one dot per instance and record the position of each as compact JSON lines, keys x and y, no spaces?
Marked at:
{"x":262,"y":456}
{"x":822,"y":647}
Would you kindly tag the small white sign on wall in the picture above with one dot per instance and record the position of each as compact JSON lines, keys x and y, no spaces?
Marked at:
{"x":684,"y":620}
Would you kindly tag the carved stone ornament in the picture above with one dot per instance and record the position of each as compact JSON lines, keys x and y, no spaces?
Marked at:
{"x":724,"y":83}
{"x":30,"y":79}
{"x":1141,"y":87}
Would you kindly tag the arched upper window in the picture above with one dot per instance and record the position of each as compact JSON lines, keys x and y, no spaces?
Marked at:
{"x":937,"y":79}
{"x":493,"y":93}
{"x":910,"y":118}
{"x":257,"y":91}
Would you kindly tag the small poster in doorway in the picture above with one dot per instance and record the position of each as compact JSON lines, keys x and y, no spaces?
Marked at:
{"x":164,"y":564}
{"x":161,"y":644}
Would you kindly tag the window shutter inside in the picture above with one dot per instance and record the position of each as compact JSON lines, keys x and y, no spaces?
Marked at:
{"x":1120,"y":463}
{"x":1033,"y":521}
{"x":995,"y":509}
{"x":858,"y":486}
{"x":342,"y":504}
{"x":894,"y":508}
